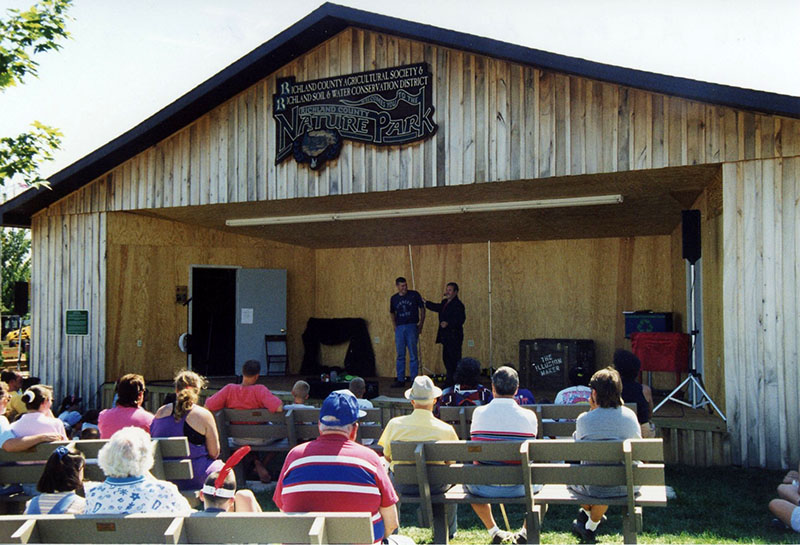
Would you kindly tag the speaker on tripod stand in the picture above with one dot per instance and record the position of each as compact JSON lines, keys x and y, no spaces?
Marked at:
{"x":698,"y":397}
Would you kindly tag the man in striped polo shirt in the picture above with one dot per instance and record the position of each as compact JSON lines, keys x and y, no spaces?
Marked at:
{"x":334,"y":473}
{"x":502,"y":419}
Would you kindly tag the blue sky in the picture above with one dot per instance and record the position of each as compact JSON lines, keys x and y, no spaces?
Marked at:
{"x":128,"y":59}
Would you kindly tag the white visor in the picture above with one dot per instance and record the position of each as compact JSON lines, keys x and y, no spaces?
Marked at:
{"x":218,"y":492}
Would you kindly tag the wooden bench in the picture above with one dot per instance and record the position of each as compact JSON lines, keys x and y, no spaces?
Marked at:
{"x":195,"y":528}
{"x":303,"y":424}
{"x":541,"y":463}
{"x":418,"y":470}
{"x":171,"y":456}
{"x":554,"y":420}
{"x":238,"y":425}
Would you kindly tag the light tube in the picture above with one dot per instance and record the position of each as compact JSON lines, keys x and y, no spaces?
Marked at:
{"x":594,"y":200}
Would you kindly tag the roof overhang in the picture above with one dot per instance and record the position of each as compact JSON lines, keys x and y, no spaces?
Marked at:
{"x":651,"y":205}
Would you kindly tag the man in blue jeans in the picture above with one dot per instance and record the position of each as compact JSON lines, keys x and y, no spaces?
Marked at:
{"x":408,"y":314}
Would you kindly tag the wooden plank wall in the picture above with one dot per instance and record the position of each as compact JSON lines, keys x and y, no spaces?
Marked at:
{"x":69,"y":272}
{"x":497,"y":121}
{"x":761,"y":299}
{"x":149,"y":257}
{"x":562,"y":289}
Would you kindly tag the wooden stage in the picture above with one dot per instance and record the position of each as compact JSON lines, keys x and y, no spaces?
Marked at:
{"x":691,"y":436}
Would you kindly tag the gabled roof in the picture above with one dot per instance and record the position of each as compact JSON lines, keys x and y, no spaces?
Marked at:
{"x":315,"y":28}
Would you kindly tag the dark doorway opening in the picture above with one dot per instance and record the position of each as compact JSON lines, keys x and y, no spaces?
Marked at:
{"x":213,"y":320}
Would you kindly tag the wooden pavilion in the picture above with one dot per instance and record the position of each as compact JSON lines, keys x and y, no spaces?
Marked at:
{"x":121,"y":228}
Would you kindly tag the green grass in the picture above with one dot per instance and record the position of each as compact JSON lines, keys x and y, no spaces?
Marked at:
{"x":713,"y":505}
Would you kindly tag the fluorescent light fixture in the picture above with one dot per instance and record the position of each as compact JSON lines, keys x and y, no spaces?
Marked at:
{"x":594,"y":200}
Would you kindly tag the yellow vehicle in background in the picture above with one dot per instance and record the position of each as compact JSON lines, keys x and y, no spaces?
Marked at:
{"x":13,"y":336}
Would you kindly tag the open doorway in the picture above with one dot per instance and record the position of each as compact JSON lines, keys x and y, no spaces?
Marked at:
{"x":213,"y":320}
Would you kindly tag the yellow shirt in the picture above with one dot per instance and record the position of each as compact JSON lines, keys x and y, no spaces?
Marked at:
{"x":420,"y":425}
{"x":16,"y":406}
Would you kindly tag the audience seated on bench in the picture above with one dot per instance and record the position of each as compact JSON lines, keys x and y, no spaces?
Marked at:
{"x":185,"y":418}
{"x":334,"y":473}
{"x":126,"y":460}
{"x":248,"y":395}
{"x":60,"y":485}
{"x":130,"y":390}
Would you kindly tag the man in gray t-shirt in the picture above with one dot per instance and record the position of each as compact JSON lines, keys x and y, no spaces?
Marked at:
{"x":607,"y":420}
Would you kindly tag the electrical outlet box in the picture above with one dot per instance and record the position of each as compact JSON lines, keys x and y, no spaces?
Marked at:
{"x":376,"y":340}
{"x":470,"y":343}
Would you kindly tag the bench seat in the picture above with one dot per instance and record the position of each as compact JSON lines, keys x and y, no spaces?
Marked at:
{"x":560,"y":494}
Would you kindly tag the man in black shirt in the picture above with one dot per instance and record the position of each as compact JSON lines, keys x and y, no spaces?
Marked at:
{"x":450,"y":335}
{"x":407,"y":310}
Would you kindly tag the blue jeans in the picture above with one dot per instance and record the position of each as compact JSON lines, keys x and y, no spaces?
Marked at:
{"x":496,"y":490}
{"x":406,"y":335}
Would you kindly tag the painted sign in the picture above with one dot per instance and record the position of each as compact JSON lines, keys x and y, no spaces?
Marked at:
{"x":384,"y":107}
{"x":76,"y":322}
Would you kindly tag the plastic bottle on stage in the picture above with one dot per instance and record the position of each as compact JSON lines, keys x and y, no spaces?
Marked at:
{"x":334,"y":376}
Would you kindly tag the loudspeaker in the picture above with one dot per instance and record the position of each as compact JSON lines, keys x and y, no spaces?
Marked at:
{"x":21,"y":298}
{"x":690,"y":220}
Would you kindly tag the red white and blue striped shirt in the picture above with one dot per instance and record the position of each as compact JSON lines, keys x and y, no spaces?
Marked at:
{"x":335,"y":474}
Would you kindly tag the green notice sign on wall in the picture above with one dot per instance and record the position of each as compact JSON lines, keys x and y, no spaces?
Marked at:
{"x":76,"y":322}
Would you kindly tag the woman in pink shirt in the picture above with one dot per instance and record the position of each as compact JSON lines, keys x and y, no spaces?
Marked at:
{"x":128,"y":412}
{"x":38,"y":400}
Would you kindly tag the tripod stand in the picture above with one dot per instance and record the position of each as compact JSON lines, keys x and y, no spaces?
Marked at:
{"x":694,"y":380}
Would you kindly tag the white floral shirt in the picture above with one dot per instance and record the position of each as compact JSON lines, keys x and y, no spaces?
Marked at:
{"x":135,"y":495}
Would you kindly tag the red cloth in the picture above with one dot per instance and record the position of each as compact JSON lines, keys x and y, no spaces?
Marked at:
{"x":662,"y":351}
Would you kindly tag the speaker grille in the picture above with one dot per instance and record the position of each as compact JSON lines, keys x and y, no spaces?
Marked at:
{"x":690,"y":220}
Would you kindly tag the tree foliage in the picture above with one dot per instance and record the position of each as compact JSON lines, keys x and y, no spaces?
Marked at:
{"x":23,"y":34}
{"x":16,"y":261}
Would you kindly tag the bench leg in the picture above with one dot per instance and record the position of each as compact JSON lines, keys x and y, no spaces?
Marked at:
{"x":440,"y":530}
{"x":534,"y":523}
{"x":629,"y":526}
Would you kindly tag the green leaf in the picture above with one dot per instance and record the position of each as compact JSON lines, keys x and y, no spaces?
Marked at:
{"x":24,"y":34}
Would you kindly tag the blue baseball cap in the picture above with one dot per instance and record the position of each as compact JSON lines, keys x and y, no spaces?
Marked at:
{"x":340,"y":408}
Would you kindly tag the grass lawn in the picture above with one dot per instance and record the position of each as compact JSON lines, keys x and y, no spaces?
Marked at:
{"x":713,"y":505}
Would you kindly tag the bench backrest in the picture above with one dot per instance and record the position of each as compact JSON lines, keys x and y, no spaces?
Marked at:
{"x":549,"y":461}
{"x":93,"y":529}
{"x":171,"y":456}
{"x":554,"y":420}
{"x":302,"y":425}
{"x":277,"y":528}
{"x":248,"y":423}
{"x":602,"y":463}
{"x":195,"y":528}
{"x":423,"y":461}
{"x":370,"y":426}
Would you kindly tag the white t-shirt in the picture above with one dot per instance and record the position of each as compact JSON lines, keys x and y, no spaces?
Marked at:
{"x":503,"y":419}
{"x":573,"y":394}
